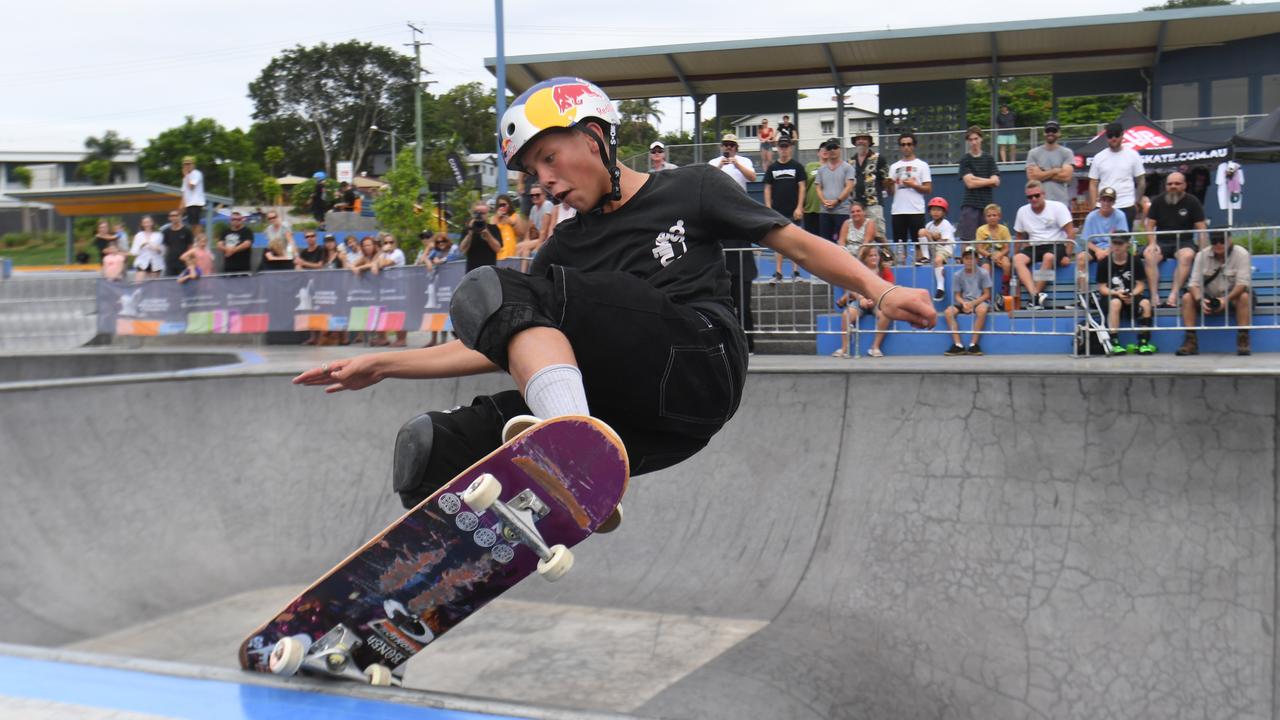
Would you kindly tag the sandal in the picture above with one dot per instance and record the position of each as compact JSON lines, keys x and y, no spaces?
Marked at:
{"x":840,"y":354}
{"x":875,"y":352}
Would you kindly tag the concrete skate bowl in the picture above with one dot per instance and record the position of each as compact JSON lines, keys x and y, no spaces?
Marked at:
{"x":852,"y":546}
{"x":27,"y":367}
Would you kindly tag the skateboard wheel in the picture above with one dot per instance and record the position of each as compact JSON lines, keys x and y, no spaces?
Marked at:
{"x":379,"y":675}
{"x":517,"y":425}
{"x":612,"y":522}
{"x":554,"y":567}
{"x":286,"y":656}
{"x":482,"y":493}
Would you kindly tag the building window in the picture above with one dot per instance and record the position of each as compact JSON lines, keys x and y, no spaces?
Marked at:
{"x":1180,"y":100}
{"x":1229,"y":97}
{"x":748,"y":131}
{"x":828,"y":127}
{"x":1270,"y":93}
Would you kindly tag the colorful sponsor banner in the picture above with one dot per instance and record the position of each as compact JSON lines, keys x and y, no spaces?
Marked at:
{"x":408,"y":298}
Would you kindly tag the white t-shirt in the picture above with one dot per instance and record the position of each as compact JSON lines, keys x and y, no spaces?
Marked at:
{"x":1046,"y":226}
{"x":732,"y":170}
{"x":1225,"y":200}
{"x":396,"y":256}
{"x":948,"y":231}
{"x":193,"y":188}
{"x":909,"y":201}
{"x":148,"y":251}
{"x":1117,"y":170}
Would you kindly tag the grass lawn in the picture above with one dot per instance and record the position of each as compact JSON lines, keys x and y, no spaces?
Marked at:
{"x":43,"y":254}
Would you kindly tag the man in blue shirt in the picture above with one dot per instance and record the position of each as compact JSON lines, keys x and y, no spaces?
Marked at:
{"x":1094,"y":241}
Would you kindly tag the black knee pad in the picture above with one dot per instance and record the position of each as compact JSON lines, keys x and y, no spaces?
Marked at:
{"x":409,"y":464}
{"x":1145,"y":320}
{"x":491,"y":305}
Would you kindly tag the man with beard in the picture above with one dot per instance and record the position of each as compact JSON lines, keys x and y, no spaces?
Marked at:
{"x":1173,"y":210}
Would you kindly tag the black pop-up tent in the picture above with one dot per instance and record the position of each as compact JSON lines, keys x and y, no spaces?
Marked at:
{"x":1157,"y":147}
{"x":1260,"y":141}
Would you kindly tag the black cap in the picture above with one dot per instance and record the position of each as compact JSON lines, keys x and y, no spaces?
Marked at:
{"x":784,"y":142}
{"x":1114,"y":129}
{"x":1052,"y":125}
{"x":426,"y":234}
{"x":330,"y":236}
{"x":968,"y":250}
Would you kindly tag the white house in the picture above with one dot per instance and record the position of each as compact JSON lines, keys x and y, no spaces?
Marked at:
{"x":816,"y":119}
{"x":53,"y":169}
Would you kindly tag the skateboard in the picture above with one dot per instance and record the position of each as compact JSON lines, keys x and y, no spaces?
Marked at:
{"x":515,"y":512}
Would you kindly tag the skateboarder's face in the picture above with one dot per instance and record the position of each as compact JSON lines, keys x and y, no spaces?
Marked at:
{"x":568,"y":166}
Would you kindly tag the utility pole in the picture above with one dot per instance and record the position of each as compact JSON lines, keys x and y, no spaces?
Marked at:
{"x":419,"y":87}
{"x":502,"y":93}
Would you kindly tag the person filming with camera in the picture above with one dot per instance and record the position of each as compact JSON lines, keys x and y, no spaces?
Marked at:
{"x":480,"y":242}
{"x":1221,"y":279}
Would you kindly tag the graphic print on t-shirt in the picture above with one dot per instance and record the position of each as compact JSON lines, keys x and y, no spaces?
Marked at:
{"x":670,"y":244}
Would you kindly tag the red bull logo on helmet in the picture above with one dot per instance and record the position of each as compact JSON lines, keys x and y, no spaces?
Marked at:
{"x":568,"y":96}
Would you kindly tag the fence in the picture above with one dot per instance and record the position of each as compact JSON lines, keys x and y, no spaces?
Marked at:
{"x":813,"y":311}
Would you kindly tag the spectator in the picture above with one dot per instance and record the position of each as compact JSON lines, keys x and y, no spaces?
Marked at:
{"x":319,"y":199}
{"x":1006,"y":139}
{"x":237,"y":245}
{"x":110,"y":254}
{"x":509,"y":227}
{"x":784,"y":183}
{"x":392,"y":255}
{"x":193,"y":199}
{"x":858,"y":230}
{"x":104,"y":238}
{"x":1046,"y":226}
{"x":122,"y":237}
{"x":368,"y":260}
{"x":732,"y":164}
{"x":1119,"y":168}
{"x":658,"y":158}
{"x":350,"y":250}
{"x":835,"y":180}
{"x":856,"y":305}
{"x":1052,"y":165}
{"x":346,"y":198}
{"x":1221,"y":280}
{"x":311,"y":257}
{"x":768,"y":136}
{"x":441,"y":252}
{"x":177,"y":238}
{"x":147,"y":251}
{"x":197,"y":259}
{"x":909,"y":182}
{"x":938,"y":238}
{"x":787,"y":129}
{"x":980,"y":176}
{"x":280,"y":235}
{"x":541,"y":212}
{"x":1173,"y":210}
{"x":1094,"y":243}
{"x":334,"y":258}
{"x":1124,"y":292}
{"x":992,"y":243}
{"x":971,"y":295}
{"x":480,"y":241}
{"x":812,"y":201}
{"x":869,"y":172}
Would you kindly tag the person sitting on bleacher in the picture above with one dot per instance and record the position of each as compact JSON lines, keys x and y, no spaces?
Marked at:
{"x":1094,"y":243}
{"x":1174,"y":209}
{"x":971,"y":286}
{"x":1124,"y":293}
{"x":1221,"y":278}
{"x":1046,"y":224}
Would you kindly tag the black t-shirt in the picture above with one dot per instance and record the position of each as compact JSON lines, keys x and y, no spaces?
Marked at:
{"x":102,"y":243}
{"x":1180,"y":216}
{"x":1114,"y":276}
{"x":786,"y":178}
{"x":176,"y":242}
{"x":240,"y":261}
{"x":480,"y":254}
{"x":983,"y":166}
{"x":349,"y":198}
{"x":312,"y":256}
{"x":787,"y":130}
{"x":670,"y":234}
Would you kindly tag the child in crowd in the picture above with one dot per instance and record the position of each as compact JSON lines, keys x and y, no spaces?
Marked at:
{"x":856,"y":305}
{"x":971,"y":288}
{"x":1123,"y":292}
{"x":937,"y":239}
{"x":197,"y":258}
{"x":993,"y":241}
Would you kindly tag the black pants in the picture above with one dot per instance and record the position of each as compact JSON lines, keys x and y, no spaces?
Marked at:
{"x":907,"y":227}
{"x":665,"y":377}
{"x":741,"y":292}
{"x":193,"y":215}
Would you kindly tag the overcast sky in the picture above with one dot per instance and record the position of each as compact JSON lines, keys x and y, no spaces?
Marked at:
{"x":78,"y":68}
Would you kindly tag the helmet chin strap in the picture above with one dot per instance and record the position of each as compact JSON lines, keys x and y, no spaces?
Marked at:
{"x":609,"y":156}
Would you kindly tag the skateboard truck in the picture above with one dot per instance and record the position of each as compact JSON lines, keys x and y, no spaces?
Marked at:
{"x":519,"y":518}
{"x":330,"y":655}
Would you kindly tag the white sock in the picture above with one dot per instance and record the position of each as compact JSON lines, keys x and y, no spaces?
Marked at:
{"x":556,"y":390}
{"x":937,"y":275}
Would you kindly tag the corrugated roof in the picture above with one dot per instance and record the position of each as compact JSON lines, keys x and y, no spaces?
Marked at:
{"x":110,"y":199}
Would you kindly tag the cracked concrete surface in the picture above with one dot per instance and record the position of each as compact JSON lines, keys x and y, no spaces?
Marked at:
{"x":910,"y":544}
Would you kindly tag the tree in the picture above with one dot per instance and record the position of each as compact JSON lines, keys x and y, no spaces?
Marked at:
{"x":397,"y":208}
{"x":99,"y":163}
{"x":337,"y":92}
{"x":273,"y":156}
{"x":464,"y":115}
{"x":1030,"y":97}
{"x":635,"y":134}
{"x":209,"y":142}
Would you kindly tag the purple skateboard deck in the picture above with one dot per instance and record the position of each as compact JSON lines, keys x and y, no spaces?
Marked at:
{"x":441,"y":562}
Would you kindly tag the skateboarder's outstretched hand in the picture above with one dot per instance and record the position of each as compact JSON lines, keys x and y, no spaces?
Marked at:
{"x":346,"y":374}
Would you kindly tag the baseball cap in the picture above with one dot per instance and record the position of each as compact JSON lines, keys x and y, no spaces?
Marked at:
{"x":426,"y":234}
{"x":968,"y":250}
{"x":330,"y":236}
{"x":657,"y":144}
{"x":1052,"y":125}
{"x":784,"y":142}
{"x":729,"y":138}
{"x":189,"y":159}
{"x":1107,"y":192}
{"x":1114,"y":129}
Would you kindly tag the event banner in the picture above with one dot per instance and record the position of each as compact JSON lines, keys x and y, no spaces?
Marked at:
{"x":405,"y":298}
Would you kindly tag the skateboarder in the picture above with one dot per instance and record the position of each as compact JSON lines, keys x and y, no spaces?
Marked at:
{"x":626,"y":313}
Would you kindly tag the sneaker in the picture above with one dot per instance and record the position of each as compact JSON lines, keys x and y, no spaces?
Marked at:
{"x":875,"y":352}
{"x":974,"y":349}
{"x":517,"y":425}
{"x":922,"y":261}
{"x":1042,"y":301}
{"x":840,"y":354}
{"x":795,"y":275}
{"x":1146,"y":348}
{"x":1118,"y":349}
{"x":998,"y":303}
{"x":954,"y":350}
{"x":777,"y":278}
{"x":939,"y":295}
